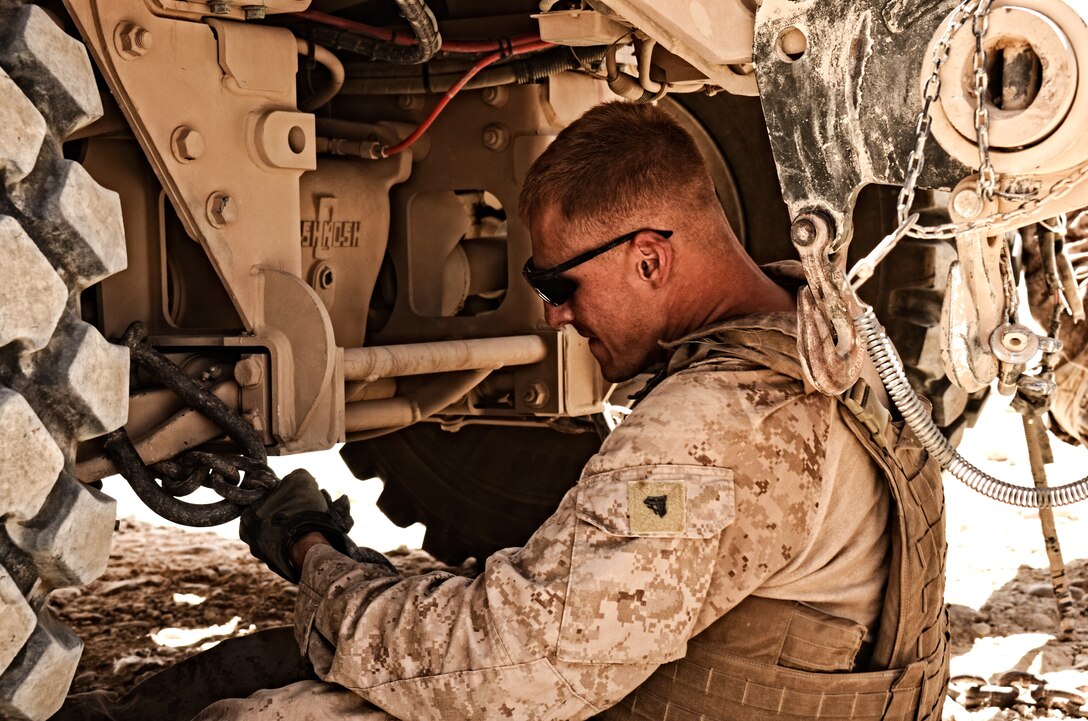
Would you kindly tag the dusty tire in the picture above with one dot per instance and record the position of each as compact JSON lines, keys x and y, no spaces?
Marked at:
{"x":60,"y":381}
{"x":477,"y":490}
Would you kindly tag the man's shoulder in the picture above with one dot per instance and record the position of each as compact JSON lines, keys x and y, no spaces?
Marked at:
{"x":710,"y":412}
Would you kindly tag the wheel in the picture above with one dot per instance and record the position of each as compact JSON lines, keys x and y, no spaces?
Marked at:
{"x":60,"y":381}
{"x":477,"y":490}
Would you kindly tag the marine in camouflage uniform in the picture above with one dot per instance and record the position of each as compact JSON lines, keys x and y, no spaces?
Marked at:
{"x":742,"y":546}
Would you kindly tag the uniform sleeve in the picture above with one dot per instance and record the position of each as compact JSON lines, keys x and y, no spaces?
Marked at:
{"x":609,"y":588}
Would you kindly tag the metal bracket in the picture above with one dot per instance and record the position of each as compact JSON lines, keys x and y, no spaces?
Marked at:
{"x":830,"y":352}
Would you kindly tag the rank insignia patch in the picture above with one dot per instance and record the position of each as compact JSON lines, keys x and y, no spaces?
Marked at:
{"x":656,"y":506}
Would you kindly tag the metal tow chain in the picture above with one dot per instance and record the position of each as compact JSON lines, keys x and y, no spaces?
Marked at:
{"x":239,"y":479}
{"x":980,"y":23}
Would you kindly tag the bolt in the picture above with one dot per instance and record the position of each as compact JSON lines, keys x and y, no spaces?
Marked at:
{"x":219,"y":7}
{"x":210,"y":374}
{"x":803,"y":232}
{"x":221,"y":209}
{"x":407,"y":101}
{"x":187,"y":144}
{"x":248,"y":372}
{"x":131,"y":40}
{"x":496,"y":96}
{"x":536,"y":394}
{"x":254,"y":12}
{"x":967,"y":203}
{"x":496,"y":137}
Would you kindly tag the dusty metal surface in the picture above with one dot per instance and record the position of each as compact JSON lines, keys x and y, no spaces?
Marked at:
{"x":715,"y":37}
{"x":858,"y":74}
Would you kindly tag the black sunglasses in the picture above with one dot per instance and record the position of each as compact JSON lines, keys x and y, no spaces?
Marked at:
{"x":555,"y":288}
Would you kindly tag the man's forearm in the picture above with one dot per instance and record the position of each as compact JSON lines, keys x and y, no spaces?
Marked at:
{"x":303,"y":545}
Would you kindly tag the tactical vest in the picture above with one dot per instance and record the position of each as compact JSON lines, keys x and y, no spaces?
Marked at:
{"x":771,"y":659}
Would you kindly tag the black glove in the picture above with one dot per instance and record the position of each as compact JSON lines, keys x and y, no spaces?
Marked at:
{"x":272,"y":525}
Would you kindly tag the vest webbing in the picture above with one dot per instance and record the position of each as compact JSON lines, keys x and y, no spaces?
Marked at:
{"x":818,"y":668}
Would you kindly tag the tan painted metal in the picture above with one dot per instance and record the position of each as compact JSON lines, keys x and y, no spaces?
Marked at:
{"x":225,"y":9}
{"x":455,"y":355}
{"x":715,"y":36}
{"x":228,"y":146}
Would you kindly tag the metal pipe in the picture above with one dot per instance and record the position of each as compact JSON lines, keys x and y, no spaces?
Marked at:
{"x":336,"y":74}
{"x":453,"y":355}
{"x":365,"y":420}
{"x":384,"y":413}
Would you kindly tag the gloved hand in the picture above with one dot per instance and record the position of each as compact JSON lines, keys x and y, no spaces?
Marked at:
{"x":272,"y":525}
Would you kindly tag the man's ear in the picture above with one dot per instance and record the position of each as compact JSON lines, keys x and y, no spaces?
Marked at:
{"x":654,"y":255}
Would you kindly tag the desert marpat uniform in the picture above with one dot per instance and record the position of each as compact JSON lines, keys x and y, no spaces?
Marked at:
{"x":732,"y":485}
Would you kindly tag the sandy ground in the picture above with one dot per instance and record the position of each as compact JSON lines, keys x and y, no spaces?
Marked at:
{"x":171,"y":591}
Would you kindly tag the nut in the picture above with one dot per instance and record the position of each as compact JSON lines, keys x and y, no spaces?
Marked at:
{"x":187,"y":144}
{"x":803,"y":232}
{"x":254,"y":12}
{"x":1014,"y":343}
{"x":221,"y":209}
{"x":536,"y":394}
{"x":407,"y":101}
{"x":131,"y":40}
{"x":967,"y":203}
{"x":496,"y":137}
{"x":495,"y":96}
{"x":248,"y":372}
{"x":220,"y":7}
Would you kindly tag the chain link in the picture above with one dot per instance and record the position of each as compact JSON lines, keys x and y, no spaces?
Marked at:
{"x":931,"y":92}
{"x":980,"y":23}
{"x":1057,"y":191}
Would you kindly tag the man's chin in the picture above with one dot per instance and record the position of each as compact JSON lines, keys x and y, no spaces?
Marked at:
{"x":612,"y":371}
{"x":615,"y":374}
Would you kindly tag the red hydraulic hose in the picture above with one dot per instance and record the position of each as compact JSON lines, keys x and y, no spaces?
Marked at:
{"x":461,"y":82}
{"x":389,"y":36}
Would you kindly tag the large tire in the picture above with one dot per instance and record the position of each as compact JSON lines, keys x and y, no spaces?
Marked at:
{"x":60,"y":381}
{"x":477,"y":490}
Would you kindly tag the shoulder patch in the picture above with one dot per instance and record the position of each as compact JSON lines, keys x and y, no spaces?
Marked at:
{"x":656,"y":506}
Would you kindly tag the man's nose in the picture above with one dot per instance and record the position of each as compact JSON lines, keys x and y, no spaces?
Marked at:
{"x":557,"y":316}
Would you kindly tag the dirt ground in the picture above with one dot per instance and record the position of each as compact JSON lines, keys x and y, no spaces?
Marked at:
{"x":169,"y":593}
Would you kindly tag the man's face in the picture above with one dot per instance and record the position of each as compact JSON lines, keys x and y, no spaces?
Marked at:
{"x":612,"y":306}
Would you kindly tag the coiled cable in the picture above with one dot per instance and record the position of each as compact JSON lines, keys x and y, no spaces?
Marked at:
{"x":918,"y":419}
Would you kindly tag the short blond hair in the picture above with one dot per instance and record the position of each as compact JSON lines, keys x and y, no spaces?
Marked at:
{"x":615,"y":162}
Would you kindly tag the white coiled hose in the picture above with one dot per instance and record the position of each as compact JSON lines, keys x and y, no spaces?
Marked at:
{"x":917,"y":417}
